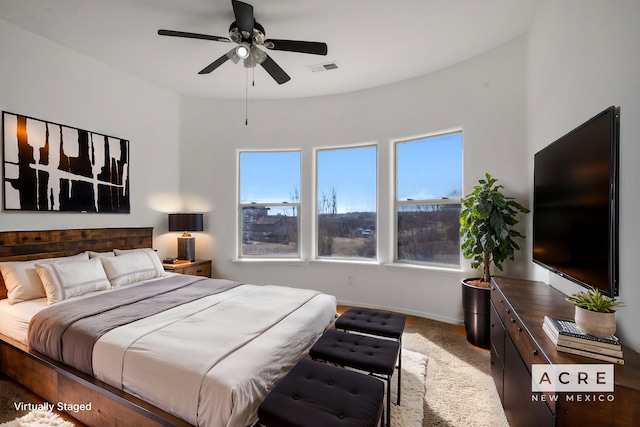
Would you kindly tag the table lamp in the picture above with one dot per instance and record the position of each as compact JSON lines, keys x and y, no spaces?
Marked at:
{"x":186,"y":222}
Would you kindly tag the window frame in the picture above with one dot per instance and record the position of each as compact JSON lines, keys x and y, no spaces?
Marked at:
{"x":439,"y":201}
{"x":297,"y":205}
{"x":316,"y":222}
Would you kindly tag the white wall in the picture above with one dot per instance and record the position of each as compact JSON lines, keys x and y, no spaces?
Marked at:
{"x":47,"y":81}
{"x":582,"y":59}
{"x":484,"y":96}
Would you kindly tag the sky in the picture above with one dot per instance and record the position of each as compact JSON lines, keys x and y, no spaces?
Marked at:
{"x":428,"y":168}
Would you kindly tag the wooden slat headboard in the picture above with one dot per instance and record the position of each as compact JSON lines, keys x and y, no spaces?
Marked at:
{"x":28,"y":245}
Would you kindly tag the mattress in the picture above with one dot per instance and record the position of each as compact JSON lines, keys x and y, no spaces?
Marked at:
{"x":210,"y":361}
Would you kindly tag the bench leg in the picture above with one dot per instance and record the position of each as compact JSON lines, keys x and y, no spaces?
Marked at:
{"x":389,"y":401}
{"x":399,"y":372}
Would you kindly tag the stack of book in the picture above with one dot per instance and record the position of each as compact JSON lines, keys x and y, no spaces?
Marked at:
{"x":569,"y":338}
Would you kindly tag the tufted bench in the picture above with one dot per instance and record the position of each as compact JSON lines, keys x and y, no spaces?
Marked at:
{"x":366,"y":353}
{"x":315,"y":394}
{"x":375,"y":322}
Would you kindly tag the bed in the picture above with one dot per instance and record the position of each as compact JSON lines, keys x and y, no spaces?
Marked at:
{"x":159,"y":349}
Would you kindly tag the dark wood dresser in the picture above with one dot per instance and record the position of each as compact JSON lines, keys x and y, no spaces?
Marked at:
{"x":518,"y":308}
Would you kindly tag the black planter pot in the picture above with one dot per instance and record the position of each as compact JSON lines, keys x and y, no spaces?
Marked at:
{"x":476,"y":307}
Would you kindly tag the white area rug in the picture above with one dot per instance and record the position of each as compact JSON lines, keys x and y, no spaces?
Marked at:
{"x":411,"y":409}
{"x":38,"y":419}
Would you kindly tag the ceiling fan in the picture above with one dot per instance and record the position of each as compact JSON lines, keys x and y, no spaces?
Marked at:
{"x":249,"y":35}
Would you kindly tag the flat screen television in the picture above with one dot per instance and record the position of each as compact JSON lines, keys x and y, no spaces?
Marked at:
{"x":575,"y":204}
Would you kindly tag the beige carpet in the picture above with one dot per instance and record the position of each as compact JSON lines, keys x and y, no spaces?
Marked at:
{"x":459,"y":387}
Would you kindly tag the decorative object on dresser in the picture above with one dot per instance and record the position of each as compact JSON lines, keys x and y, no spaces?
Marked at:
{"x":568,"y":337}
{"x":595,"y":312}
{"x":518,"y":341}
{"x":57,"y":168}
{"x":199,"y":267}
{"x":487,"y":233}
{"x":186,"y":222}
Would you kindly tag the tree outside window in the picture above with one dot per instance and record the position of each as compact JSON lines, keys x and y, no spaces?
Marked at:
{"x":347,"y":203}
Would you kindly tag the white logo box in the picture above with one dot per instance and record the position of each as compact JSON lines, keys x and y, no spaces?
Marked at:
{"x":584,"y":378}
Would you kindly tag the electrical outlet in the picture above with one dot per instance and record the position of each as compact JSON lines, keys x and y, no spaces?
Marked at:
{"x":350,"y":280}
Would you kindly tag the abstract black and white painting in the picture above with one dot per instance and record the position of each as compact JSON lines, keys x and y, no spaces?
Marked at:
{"x":52,"y":167}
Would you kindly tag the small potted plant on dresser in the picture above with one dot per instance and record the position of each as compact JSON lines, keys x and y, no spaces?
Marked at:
{"x":487,"y":232}
{"x":595,"y":312}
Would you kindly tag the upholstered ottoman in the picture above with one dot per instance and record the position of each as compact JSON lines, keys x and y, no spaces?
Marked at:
{"x":366,"y":353}
{"x":315,"y":394}
{"x":375,"y":322}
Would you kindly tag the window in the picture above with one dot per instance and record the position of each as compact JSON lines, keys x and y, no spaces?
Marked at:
{"x":346,"y":211}
{"x":269,"y":204}
{"x":427,"y":205}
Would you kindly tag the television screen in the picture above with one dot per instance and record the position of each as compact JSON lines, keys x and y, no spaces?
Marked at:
{"x":575,"y":204}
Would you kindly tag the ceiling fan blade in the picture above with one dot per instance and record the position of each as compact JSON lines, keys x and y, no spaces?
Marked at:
{"x":215,"y":64}
{"x":274,"y":69}
{"x":314,"y":48}
{"x":244,"y":16}
{"x":192,"y":35}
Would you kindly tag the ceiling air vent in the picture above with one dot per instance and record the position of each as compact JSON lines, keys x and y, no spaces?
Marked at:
{"x":323,"y":67}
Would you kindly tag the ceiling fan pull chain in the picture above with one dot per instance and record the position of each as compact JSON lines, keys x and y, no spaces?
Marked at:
{"x":246,"y":97}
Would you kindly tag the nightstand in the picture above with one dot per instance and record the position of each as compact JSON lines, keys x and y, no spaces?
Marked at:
{"x":199,"y":267}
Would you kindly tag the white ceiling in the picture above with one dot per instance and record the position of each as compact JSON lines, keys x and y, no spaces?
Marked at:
{"x":373,"y":43}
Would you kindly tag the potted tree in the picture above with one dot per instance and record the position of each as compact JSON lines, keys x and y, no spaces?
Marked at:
{"x":595,"y":312}
{"x":487,"y":233}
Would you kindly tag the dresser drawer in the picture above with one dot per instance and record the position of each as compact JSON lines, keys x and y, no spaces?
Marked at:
{"x":497,"y":334}
{"x":516,"y":330}
{"x":198,"y":270}
{"x":194,"y":268}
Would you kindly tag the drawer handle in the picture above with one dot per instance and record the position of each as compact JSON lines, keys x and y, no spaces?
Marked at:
{"x":519,"y":329}
{"x":513,"y":320}
{"x":199,"y":271}
{"x":535,"y":352}
{"x":508,"y":310}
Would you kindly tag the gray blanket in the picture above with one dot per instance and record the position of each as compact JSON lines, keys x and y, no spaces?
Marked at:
{"x":67,"y":331}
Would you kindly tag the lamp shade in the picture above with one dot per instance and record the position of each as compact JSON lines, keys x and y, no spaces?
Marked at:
{"x":186,"y":222}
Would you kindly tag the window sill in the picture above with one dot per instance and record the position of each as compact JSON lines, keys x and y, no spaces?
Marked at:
{"x":325,"y":261}
{"x":426,"y":267}
{"x":280,"y":261}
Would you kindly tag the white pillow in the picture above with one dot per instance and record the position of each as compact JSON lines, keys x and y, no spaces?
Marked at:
{"x":119,"y":252}
{"x":22,"y":280}
{"x":132,"y":267}
{"x":93,"y":254}
{"x":70,"y":279}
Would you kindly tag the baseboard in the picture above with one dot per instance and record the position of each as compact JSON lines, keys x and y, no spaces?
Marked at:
{"x":424,"y":315}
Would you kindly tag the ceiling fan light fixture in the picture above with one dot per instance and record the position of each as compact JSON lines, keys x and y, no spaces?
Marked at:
{"x":233,"y":56}
{"x":258,"y":56}
{"x":243,"y":50}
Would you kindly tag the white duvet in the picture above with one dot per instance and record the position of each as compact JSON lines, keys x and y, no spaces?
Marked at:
{"x":212,"y":361}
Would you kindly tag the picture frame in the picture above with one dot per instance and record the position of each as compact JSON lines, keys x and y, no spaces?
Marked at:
{"x":50,"y":167}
